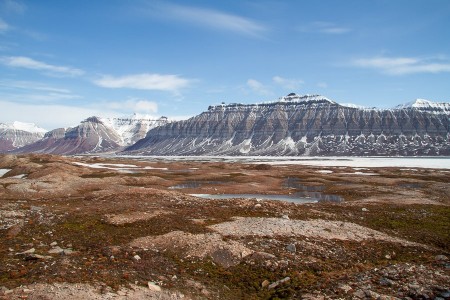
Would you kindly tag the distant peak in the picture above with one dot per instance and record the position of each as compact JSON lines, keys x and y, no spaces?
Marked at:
{"x":93,"y":119}
{"x":28,"y":127}
{"x":426,"y":105}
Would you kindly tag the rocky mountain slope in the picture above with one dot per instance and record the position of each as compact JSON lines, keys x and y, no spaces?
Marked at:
{"x":304,"y":125}
{"x":93,"y":135}
{"x":18,"y":134}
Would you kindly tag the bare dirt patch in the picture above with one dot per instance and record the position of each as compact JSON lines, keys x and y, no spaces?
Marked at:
{"x":131,"y":217}
{"x":323,"y":229}
{"x":226,"y":253}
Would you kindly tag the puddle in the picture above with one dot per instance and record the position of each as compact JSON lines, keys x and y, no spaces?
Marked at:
{"x":410,"y":185}
{"x":193,"y":184}
{"x":4,"y":171}
{"x":310,"y":191}
{"x":288,"y":198}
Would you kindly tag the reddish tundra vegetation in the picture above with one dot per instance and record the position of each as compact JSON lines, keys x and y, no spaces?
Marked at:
{"x":122,"y":228}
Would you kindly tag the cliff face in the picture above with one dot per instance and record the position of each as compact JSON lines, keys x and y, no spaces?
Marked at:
{"x":302,"y":125}
{"x":93,"y":135}
{"x":18,"y":134}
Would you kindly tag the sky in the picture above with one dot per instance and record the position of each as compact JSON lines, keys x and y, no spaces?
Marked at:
{"x":64,"y":61}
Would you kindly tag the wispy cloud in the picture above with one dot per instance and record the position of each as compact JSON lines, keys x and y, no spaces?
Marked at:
{"x":258,"y":87}
{"x":158,"y":82}
{"x":324,"y":27}
{"x":61,"y":115}
{"x":209,"y":18}
{"x":11,"y":6}
{"x":288,"y":83}
{"x":403,"y":65}
{"x":322,"y":85}
{"x":29,"y":63}
{"x":28,"y":92}
{"x":134,"y":105}
{"x":4,"y":26}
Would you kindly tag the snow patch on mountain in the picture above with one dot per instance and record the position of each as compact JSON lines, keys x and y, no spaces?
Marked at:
{"x":133,"y":128}
{"x":426,"y":105}
{"x":28,"y":127}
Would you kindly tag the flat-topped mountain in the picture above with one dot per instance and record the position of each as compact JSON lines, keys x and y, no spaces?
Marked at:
{"x":304,"y":125}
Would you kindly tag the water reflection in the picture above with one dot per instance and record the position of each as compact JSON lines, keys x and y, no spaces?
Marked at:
{"x":193,"y":184}
{"x":288,"y":198}
{"x":310,"y":191}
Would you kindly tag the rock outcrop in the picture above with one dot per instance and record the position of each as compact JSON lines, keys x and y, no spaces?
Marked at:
{"x":304,"y":125}
{"x":93,"y":135}
{"x":18,"y":134}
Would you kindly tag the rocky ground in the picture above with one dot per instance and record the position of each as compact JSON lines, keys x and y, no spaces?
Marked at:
{"x":102,"y":228}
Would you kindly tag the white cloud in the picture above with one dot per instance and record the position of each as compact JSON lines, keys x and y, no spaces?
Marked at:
{"x":402,"y":65}
{"x":144,"y":82}
{"x":29,"y":63}
{"x":134,"y":105}
{"x":324,"y":27}
{"x":49,"y":116}
{"x":29,"y":91}
{"x":257,"y":87}
{"x":288,"y":83}
{"x":208,"y":18}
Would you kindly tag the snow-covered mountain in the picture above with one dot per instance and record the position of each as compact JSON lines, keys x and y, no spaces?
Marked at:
{"x":304,"y":125}
{"x":94,"y":135}
{"x":426,"y":106}
{"x":18,"y":134}
{"x":133,"y":128}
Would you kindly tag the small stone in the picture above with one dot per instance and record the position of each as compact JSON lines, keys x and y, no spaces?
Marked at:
{"x":291,"y":248}
{"x":441,"y":258}
{"x":371,"y":294}
{"x":53,"y":244}
{"x":386,"y":282}
{"x":27,"y":291}
{"x":56,"y":250}
{"x":265,"y":283}
{"x":364,"y":209}
{"x":387,"y":256}
{"x":68,"y":251}
{"x":29,"y":251}
{"x":153,"y":287}
{"x":359,"y":294}
{"x":136,"y":257}
{"x":33,"y":256}
{"x":258,"y":205}
{"x":346,"y":288}
{"x":286,"y":217}
{"x":277,"y":283}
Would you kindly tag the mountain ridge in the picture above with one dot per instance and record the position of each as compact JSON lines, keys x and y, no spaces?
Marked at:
{"x":291,"y":125}
{"x":301,"y":125}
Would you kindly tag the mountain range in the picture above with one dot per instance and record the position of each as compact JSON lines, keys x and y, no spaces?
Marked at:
{"x":93,"y":135}
{"x":291,"y":125}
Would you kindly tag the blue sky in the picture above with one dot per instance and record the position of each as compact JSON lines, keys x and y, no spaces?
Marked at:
{"x":63,"y":61}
